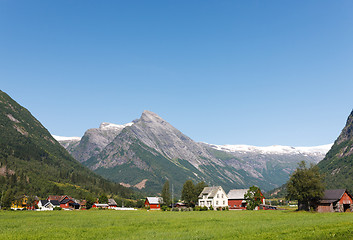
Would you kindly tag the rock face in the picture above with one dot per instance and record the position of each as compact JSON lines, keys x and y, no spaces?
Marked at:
{"x":93,"y":141}
{"x":338,"y":163}
{"x":153,"y":150}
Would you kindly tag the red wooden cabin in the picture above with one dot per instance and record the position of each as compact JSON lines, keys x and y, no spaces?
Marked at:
{"x":336,"y":200}
{"x":154,"y":203}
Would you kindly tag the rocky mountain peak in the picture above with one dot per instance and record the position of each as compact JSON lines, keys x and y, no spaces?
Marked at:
{"x":347,"y":132}
{"x":148,"y":116}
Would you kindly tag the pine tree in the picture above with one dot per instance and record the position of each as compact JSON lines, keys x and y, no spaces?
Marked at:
{"x":166,"y":193}
{"x":198,"y":189}
{"x":188,"y":193}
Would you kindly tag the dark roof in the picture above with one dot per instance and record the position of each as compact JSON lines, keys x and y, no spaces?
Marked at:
{"x":74,"y":204}
{"x":44,"y":202}
{"x":65,"y":201}
{"x":55,"y":202}
{"x":328,"y":201}
{"x":333,"y":194}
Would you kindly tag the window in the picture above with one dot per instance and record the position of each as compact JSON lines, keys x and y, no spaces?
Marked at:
{"x":217,"y":195}
{"x":224,"y":202}
{"x":216,"y":202}
{"x":222,"y":195}
{"x":235,"y":205}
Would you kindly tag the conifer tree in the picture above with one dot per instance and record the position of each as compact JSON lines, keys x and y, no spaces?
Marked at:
{"x":188,"y":193}
{"x":166,"y":193}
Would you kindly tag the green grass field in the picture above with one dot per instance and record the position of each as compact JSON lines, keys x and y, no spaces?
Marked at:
{"x":175,"y":225}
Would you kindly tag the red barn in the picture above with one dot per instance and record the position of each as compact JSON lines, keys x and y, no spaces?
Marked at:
{"x":336,"y":200}
{"x":154,"y":203}
{"x":236,"y":199}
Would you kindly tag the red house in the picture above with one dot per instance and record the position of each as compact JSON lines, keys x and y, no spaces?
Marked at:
{"x":236,"y":199}
{"x":154,"y":203}
{"x":336,"y":200}
{"x":65,"y":201}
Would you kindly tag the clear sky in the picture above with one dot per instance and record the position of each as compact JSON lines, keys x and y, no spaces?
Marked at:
{"x":222,"y":72}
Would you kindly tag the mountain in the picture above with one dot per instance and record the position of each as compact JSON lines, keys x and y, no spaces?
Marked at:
{"x":150,"y":150}
{"x":338,"y":163}
{"x":33,"y":162}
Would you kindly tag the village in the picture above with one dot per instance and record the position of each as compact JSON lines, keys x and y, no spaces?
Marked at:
{"x":211,"y":198}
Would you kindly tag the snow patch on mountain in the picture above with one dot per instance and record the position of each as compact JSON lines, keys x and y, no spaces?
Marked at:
{"x":108,"y":126}
{"x":61,"y":138}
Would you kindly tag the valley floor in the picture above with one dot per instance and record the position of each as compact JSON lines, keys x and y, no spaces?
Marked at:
{"x":109,"y":224}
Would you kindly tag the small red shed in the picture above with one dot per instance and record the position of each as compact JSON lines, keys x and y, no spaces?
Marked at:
{"x":154,"y":203}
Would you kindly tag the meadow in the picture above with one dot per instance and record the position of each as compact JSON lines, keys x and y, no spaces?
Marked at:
{"x":110,"y":224}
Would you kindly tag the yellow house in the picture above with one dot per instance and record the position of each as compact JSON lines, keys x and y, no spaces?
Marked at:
{"x":20,"y":203}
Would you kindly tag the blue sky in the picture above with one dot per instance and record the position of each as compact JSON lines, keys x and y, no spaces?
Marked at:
{"x":223,"y":72}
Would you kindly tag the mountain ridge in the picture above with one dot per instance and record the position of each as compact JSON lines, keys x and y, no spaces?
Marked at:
{"x":151,"y":136}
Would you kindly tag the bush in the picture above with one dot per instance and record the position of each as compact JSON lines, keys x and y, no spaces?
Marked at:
{"x":57,"y":208}
{"x":165,"y":208}
{"x":211,"y":208}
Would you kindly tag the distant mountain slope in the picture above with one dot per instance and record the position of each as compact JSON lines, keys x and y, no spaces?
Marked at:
{"x":94,"y":141}
{"x":151,"y":150}
{"x":272,"y":164}
{"x":33,"y":162}
{"x":338,"y":163}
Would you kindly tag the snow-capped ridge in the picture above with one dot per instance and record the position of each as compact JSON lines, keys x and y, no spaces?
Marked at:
{"x":274,"y":149}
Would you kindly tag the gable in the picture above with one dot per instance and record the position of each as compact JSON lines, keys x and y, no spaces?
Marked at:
{"x":211,"y":192}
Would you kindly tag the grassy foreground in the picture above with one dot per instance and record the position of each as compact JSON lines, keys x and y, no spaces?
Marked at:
{"x":175,"y":225}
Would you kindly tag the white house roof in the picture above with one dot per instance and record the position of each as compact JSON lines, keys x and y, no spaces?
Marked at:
{"x":237,"y":193}
{"x":154,"y":200}
{"x":209,"y":191}
{"x":101,"y":205}
{"x":112,"y":202}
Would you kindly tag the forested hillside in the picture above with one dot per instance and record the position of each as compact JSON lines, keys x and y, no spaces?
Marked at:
{"x":32,"y":162}
{"x":338,"y":163}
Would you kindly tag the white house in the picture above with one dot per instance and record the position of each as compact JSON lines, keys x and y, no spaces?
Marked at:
{"x":45,"y":205}
{"x":213,"y":196}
